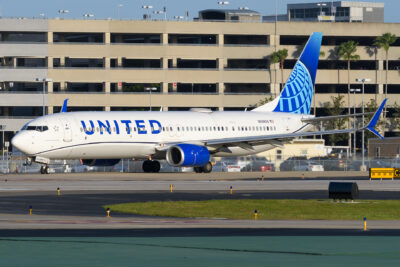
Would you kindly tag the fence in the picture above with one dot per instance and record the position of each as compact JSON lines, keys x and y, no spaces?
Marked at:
{"x":240,"y":164}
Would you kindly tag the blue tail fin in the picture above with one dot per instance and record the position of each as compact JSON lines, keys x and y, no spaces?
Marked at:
{"x":297,"y":94}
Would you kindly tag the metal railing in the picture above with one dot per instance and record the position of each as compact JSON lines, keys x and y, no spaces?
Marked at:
{"x":12,"y":164}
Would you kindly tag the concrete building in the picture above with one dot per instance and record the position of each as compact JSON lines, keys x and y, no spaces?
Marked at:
{"x":242,"y":15}
{"x":388,"y":148}
{"x":107,"y":64}
{"x":330,"y":11}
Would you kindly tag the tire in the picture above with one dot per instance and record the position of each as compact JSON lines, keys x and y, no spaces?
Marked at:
{"x":207,"y":168}
{"x":42,"y":170}
{"x":156,"y":166}
{"x":46,"y":170}
{"x":147,"y":166}
{"x":198,"y":169}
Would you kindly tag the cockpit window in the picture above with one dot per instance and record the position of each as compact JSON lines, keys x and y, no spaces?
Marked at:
{"x":36,"y":128}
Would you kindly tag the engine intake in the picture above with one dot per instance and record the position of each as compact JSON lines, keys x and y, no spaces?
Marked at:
{"x":188,"y":155}
{"x":99,"y":162}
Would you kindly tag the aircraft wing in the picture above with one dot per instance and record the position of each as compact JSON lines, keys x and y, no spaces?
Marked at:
{"x":279,"y":137}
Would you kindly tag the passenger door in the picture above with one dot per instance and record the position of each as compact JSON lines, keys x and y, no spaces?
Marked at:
{"x":66,"y":125}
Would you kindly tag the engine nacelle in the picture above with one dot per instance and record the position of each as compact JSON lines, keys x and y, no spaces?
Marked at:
{"x":188,"y":155}
{"x":99,"y":162}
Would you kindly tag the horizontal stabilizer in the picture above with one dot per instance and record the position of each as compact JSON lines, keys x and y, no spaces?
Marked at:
{"x":327,"y":118}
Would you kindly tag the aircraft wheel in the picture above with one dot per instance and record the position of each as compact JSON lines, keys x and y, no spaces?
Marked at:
{"x":147,"y":166}
{"x":207,"y":168}
{"x":46,"y":170}
{"x":198,"y":169}
{"x":155,"y":166}
{"x":42,"y":169}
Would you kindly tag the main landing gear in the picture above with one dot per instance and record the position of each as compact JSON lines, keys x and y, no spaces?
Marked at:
{"x":151,"y":166}
{"x":206,"y":168}
{"x":44,"y":169}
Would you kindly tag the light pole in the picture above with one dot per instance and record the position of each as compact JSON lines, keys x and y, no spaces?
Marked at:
{"x":148,"y":10}
{"x":62,"y":12}
{"x":44,"y":81}
{"x":320,"y":9}
{"x":158,"y":12}
{"x":3,"y":127}
{"x":118,"y":7}
{"x":150,"y":89}
{"x":354,"y":124}
{"x":223,"y":3}
{"x":87,"y":15}
{"x":179,"y":17}
{"x":363,"y":81}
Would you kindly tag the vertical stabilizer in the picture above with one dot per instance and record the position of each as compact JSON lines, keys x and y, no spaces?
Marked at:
{"x":296,"y":96}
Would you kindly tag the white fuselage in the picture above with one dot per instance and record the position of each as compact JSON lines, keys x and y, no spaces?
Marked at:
{"x":109,"y":135}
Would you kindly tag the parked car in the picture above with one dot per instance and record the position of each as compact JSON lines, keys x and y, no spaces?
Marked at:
{"x":259,"y":166}
{"x":332,"y":163}
{"x":219,"y":166}
{"x":290,"y":163}
{"x":309,"y":166}
{"x":231,"y":164}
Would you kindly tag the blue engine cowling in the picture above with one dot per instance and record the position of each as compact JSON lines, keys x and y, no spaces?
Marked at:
{"x":99,"y":162}
{"x":188,"y":155}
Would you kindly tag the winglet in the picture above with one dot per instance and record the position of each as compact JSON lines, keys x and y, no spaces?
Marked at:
{"x":64,"y":107}
{"x":371,"y":125}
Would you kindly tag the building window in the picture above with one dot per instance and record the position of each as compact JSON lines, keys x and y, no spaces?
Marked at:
{"x":278,"y":154}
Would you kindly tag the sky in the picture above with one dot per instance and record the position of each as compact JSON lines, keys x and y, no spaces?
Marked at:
{"x":132,"y":9}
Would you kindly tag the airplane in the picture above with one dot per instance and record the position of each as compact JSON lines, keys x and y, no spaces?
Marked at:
{"x":183,"y":138}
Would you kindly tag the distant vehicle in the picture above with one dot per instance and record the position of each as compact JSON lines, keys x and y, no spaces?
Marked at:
{"x":309,"y":166}
{"x":332,"y":163}
{"x":290,"y":163}
{"x":233,"y":168}
{"x":259,"y":164}
{"x":219,"y":166}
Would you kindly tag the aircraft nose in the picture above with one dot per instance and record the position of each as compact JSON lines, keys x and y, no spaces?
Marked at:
{"x":18,"y":142}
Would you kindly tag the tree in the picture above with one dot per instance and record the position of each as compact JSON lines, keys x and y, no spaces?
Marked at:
{"x":384,"y":41}
{"x":394,"y":120}
{"x":279,"y":57}
{"x":335,"y":107}
{"x":347,"y":51}
{"x":265,"y":100}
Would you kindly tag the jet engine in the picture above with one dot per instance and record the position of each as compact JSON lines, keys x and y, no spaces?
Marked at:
{"x":99,"y":162}
{"x":188,"y":155}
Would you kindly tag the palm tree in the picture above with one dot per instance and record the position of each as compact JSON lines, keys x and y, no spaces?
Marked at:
{"x":384,"y":41}
{"x":347,"y":51}
{"x":279,"y":57}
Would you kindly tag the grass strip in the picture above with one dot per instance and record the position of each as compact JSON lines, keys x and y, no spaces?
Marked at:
{"x":268,"y":209}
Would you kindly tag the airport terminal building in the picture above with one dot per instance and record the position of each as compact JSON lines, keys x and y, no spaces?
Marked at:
{"x":222,"y":65}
